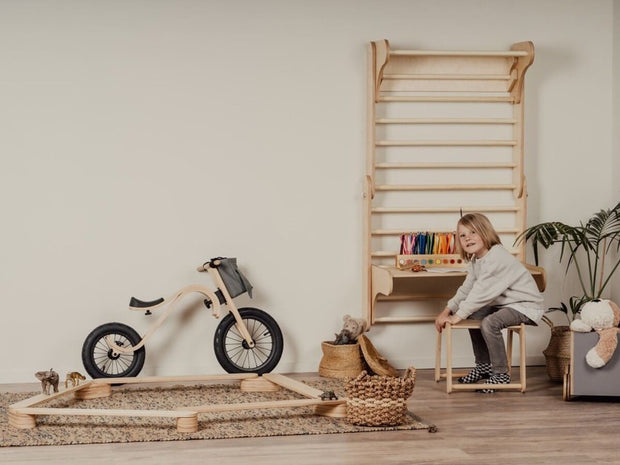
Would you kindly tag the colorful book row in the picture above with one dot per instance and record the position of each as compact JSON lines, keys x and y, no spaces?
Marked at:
{"x":423,"y":243}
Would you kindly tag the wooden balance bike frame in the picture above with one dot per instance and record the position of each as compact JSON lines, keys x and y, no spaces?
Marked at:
{"x":247,"y":341}
{"x":172,"y":301}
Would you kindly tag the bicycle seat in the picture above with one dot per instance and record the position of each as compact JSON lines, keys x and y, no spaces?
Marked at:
{"x":136,"y":303}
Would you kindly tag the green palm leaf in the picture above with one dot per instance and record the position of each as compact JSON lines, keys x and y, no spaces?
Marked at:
{"x":604,"y":225}
{"x":600,"y":233}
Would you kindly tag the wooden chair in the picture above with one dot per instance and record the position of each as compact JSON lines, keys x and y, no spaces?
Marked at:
{"x":449,"y":374}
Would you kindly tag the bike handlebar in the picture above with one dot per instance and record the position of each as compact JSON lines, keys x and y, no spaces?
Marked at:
{"x":213,"y":263}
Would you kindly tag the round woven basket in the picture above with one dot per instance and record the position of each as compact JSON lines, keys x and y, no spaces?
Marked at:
{"x":557,"y":353}
{"x":379,"y":400}
{"x":340,"y":361}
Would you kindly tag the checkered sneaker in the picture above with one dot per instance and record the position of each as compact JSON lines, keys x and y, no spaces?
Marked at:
{"x":481,"y":371}
{"x":496,"y":378}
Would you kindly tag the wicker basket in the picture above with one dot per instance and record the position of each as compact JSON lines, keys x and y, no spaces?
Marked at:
{"x":340,"y":361}
{"x":557,"y":353}
{"x":377,"y":364}
{"x":379,"y":400}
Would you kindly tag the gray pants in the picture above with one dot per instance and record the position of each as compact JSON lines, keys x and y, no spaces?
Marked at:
{"x":487,"y":342}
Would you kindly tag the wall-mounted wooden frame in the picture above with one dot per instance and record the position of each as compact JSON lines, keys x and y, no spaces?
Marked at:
{"x":437,"y":119}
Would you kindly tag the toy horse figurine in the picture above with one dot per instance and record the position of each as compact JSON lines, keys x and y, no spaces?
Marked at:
{"x":74,"y":378}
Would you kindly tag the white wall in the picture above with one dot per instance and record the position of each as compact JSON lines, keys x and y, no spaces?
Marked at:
{"x":616,"y":126}
{"x":142,"y":137}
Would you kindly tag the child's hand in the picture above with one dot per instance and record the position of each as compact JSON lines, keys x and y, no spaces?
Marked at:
{"x":440,"y":321}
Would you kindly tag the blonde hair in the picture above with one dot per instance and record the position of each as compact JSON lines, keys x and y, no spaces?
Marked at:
{"x":482,"y":226}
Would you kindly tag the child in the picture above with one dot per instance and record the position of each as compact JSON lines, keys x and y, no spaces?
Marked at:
{"x":498,"y":290}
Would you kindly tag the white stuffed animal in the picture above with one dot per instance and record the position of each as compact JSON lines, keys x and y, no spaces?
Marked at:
{"x":351,"y":329}
{"x":603,"y":316}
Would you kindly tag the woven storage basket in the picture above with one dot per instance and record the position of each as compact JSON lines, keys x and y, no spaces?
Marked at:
{"x":340,"y":361}
{"x":378,"y":400}
{"x":377,"y":363}
{"x":557,"y":353}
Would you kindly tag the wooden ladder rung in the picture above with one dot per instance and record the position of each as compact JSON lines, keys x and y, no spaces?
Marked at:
{"x":445,"y":98}
{"x":447,"y":165}
{"x":510,"y":208}
{"x":446,"y":187}
{"x":445,"y":143}
{"x":449,"y":77}
{"x":463,"y":53}
{"x":398,"y":232}
{"x":445,"y":120}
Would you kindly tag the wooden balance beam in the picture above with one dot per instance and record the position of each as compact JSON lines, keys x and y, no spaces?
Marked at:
{"x":23,"y":414}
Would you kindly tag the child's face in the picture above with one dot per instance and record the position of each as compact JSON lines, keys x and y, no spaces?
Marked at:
{"x":471,"y":242}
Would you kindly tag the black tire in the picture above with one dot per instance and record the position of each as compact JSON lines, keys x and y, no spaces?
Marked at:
{"x":232,"y":351}
{"x":97,"y":356}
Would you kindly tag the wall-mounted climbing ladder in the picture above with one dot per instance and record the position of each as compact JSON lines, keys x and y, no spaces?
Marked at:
{"x":445,"y":135}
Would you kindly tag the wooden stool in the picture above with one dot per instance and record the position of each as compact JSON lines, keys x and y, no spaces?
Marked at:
{"x":449,"y":375}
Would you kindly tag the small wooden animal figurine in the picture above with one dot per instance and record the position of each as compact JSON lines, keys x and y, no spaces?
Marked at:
{"x":74,"y":378}
{"x":329,"y":395}
{"x":48,"y":379}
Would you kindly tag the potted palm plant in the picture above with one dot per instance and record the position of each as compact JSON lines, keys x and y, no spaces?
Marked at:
{"x":586,"y":248}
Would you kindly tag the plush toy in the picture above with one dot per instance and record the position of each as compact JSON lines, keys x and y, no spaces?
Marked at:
{"x":351,"y":329}
{"x":603,"y":316}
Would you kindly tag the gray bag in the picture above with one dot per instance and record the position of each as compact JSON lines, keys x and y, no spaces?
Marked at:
{"x":235,"y":281}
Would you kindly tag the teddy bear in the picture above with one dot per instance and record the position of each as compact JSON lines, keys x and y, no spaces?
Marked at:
{"x":603,"y":316}
{"x":351,"y":329}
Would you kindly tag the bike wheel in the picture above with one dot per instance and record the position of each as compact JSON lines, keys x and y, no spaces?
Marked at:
{"x":100,"y":361}
{"x":233,"y":352}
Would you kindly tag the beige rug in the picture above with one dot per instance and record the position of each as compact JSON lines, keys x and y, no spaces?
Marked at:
{"x":57,"y":430}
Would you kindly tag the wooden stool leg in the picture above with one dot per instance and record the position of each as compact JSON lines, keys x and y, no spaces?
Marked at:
{"x":438,"y":358}
{"x":448,"y":330}
{"x":509,"y":333}
{"x":522,"y":354}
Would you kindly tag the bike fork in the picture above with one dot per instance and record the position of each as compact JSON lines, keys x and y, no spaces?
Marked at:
{"x":241,"y":327}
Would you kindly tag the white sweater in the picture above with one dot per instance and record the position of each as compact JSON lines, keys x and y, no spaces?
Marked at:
{"x":498,"y":279}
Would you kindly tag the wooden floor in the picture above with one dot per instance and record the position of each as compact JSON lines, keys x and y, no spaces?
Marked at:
{"x":536,"y":427}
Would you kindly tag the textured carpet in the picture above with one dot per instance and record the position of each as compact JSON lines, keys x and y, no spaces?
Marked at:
{"x":57,"y":430}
